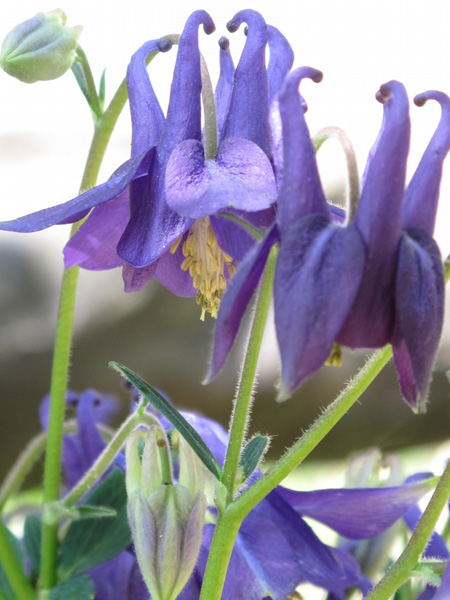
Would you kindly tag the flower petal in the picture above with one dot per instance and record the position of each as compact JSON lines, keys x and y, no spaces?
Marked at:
{"x":317,"y":276}
{"x":147,"y":117}
{"x":94,"y":245}
{"x":171,"y":275}
{"x":280,"y":61}
{"x":248,"y":113}
{"x":301,"y":193}
{"x":224,"y":88}
{"x":351,"y":512}
{"x":379,"y":213}
{"x":240,"y":177}
{"x":118,"y":181}
{"x":136,"y":279}
{"x":419,"y":298}
{"x":236,"y":298}
{"x":422,"y":194}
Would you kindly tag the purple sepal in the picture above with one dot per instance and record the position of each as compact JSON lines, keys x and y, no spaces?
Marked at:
{"x":443,"y":592}
{"x":419,"y":301}
{"x":94,"y":245}
{"x":350,"y":512}
{"x":239,"y":293}
{"x":241,"y":176}
{"x":94,"y":197}
{"x":317,"y":277}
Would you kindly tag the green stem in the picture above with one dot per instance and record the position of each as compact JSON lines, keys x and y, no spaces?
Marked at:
{"x":241,"y":411}
{"x":107,"y":456}
{"x":60,"y":369}
{"x":12,"y":567}
{"x":401,"y":569}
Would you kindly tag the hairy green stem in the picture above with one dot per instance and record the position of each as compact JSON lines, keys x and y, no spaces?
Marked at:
{"x":12,"y":567}
{"x":407,"y":561}
{"x":107,"y":456}
{"x":241,"y":411}
{"x":61,"y":355}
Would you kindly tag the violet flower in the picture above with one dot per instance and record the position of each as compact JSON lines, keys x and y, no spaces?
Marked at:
{"x":157,"y":216}
{"x":275,"y":549}
{"x":375,"y":281}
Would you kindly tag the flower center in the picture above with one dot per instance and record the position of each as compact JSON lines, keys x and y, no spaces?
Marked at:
{"x":206,"y":263}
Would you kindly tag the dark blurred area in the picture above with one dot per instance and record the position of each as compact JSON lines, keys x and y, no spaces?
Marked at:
{"x":162,"y":338}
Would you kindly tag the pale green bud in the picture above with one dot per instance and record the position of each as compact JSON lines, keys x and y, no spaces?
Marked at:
{"x":166,"y":519}
{"x":40,"y":48}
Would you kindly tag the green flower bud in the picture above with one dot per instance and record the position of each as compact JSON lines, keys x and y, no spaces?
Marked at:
{"x":166,"y":519}
{"x":40,"y":48}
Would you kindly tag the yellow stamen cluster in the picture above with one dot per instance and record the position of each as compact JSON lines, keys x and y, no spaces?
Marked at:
{"x":206,"y":263}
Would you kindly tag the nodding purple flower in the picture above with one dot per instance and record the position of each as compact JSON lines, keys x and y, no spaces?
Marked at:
{"x":374,"y":281}
{"x":159,"y":213}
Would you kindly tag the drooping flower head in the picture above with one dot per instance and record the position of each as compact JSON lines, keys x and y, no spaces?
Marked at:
{"x":159,"y":213}
{"x":374,"y":281}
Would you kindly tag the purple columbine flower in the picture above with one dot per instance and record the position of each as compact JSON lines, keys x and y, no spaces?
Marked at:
{"x":157,"y":216}
{"x":377,"y":280}
{"x":275,"y":549}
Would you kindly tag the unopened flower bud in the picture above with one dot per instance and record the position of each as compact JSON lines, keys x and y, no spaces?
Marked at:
{"x":166,"y":519}
{"x":40,"y":48}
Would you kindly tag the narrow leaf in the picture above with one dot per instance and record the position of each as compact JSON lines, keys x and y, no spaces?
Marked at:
{"x":32,"y":540}
{"x":252,"y":454}
{"x":78,"y":588}
{"x":5,"y":589}
{"x":93,"y":541}
{"x":173,"y":416}
{"x":77,"y":70}
{"x":101,"y":91}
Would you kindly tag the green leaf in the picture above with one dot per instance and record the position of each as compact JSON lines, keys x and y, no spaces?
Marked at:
{"x":251,"y":455}
{"x":101,"y":91}
{"x":431,"y":571}
{"x":54,"y":512}
{"x":173,"y":416}
{"x":5,"y":589}
{"x":32,"y":540}
{"x":77,"y":70}
{"x":91,"y":542}
{"x":78,"y":588}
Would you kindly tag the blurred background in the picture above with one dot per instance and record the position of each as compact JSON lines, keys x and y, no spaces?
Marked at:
{"x":45,"y":132}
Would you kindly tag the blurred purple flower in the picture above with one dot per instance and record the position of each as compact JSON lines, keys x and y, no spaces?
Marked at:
{"x":275,"y":549}
{"x":375,"y":281}
{"x":157,"y":216}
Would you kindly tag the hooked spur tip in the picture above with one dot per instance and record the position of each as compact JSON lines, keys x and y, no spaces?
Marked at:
{"x":224,"y":43}
{"x":209,"y":28}
{"x":164,"y":45}
{"x":232,"y":26}
{"x":440,"y":97}
{"x":246,"y":30}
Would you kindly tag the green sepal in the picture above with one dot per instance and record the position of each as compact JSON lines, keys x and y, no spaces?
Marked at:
{"x":89,"y":543}
{"x":102,"y":91}
{"x":173,"y":416}
{"x":6,"y":592}
{"x":54,"y":512}
{"x":78,"y":588}
{"x":252,"y":454}
{"x":32,"y":536}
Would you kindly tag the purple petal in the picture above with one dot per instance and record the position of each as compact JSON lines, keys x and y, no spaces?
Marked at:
{"x":233,"y":238}
{"x":213,"y":434}
{"x":171,"y":275}
{"x":301,"y":193}
{"x":224,"y":86}
{"x":94,"y":245}
{"x":379,"y":213}
{"x":248,"y":115}
{"x":351,"y":512}
{"x":280,"y":61}
{"x":317,"y":276}
{"x":147,"y":118}
{"x":436,"y":547}
{"x":93,"y":197}
{"x":183,"y":120}
{"x":136,"y":279}
{"x":420,"y":307}
{"x":112,"y":579}
{"x":422,"y":195}
{"x":353,"y":576}
{"x":241,"y":176}
{"x":236,"y":298}
{"x":443,"y":592}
